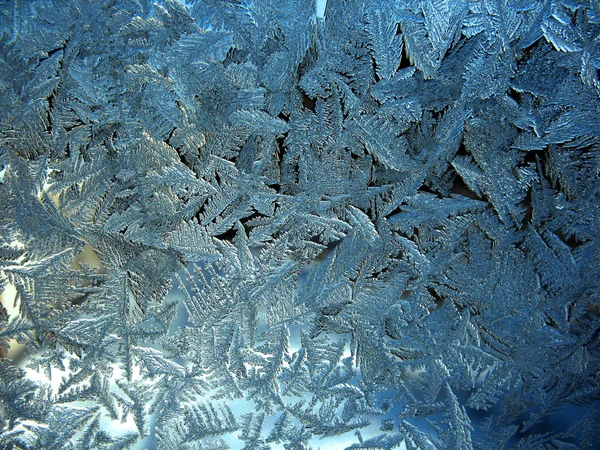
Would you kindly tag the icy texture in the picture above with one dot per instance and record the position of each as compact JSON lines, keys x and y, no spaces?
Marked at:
{"x":379,"y":227}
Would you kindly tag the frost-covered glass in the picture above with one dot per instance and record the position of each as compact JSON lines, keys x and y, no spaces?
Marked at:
{"x":240,"y":224}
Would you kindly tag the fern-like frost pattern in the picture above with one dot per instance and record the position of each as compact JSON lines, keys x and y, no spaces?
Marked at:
{"x":240,"y":224}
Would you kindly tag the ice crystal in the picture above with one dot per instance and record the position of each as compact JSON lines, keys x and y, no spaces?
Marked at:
{"x":233,"y":224}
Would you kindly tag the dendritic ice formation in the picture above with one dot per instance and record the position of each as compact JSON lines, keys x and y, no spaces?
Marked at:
{"x":234,"y":224}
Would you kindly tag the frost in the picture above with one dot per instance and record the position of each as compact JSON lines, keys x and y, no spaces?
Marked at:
{"x":340,"y":224}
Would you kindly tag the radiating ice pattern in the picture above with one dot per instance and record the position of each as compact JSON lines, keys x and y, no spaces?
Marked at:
{"x":240,"y":224}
